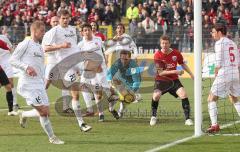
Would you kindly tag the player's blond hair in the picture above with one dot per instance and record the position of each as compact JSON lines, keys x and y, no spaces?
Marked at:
{"x":36,"y":25}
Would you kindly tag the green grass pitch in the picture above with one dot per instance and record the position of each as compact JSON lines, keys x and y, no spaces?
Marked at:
{"x":129,"y":134}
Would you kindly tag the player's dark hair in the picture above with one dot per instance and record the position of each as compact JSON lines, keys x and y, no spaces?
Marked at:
{"x":220,"y":28}
{"x":166,"y":38}
{"x":120,"y":24}
{"x":86,"y":25}
{"x":96,"y":24}
{"x":63,"y":12}
{"x":126,"y":52}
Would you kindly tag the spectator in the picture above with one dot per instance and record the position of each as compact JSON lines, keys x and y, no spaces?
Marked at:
{"x":108,"y":16}
{"x":235,"y":11}
{"x":133,"y":26}
{"x":148,"y":25}
{"x":132,"y":12}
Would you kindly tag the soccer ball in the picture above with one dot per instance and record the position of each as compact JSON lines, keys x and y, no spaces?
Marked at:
{"x":129,"y":98}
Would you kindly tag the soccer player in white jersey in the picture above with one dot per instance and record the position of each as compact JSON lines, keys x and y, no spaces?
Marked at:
{"x":4,"y":62}
{"x":63,"y":40}
{"x":93,"y":45}
{"x":51,"y":62}
{"x":226,"y":74}
{"x":120,"y":34}
{"x":29,"y":58}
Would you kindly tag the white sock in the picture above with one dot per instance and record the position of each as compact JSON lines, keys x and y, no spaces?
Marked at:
{"x":121,"y":107}
{"x":30,"y":113}
{"x":87,"y":97}
{"x":212,"y":109}
{"x":99,"y":106}
{"x":14,"y":92}
{"x":65,"y":93}
{"x":77,"y":111}
{"x":237,"y":107}
{"x":111,"y":105}
{"x":46,"y":125}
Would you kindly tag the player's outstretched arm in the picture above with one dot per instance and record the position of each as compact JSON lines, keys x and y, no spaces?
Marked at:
{"x":187,"y":69}
{"x":162,"y":72}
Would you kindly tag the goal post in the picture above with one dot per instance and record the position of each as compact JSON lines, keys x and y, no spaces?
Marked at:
{"x":198,"y":68}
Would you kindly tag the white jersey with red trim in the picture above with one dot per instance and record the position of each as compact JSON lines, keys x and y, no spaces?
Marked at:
{"x":227,"y":58}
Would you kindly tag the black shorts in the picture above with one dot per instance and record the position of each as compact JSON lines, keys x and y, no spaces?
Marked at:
{"x":3,"y":78}
{"x":168,"y":86}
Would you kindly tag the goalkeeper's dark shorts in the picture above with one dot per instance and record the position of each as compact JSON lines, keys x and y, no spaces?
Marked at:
{"x":3,"y":78}
{"x":168,"y":86}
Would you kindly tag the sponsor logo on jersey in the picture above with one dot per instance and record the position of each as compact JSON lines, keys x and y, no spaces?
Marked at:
{"x":71,"y":34}
{"x":169,"y":66}
{"x":36,"y":54}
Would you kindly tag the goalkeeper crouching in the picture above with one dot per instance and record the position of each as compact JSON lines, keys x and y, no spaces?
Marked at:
{"x":124,"y":77}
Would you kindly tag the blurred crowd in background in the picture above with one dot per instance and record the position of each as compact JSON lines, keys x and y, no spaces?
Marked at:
{"x":144,"y":17}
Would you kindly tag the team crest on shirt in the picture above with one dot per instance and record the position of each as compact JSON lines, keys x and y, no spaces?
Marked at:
{"x":174,"y":58}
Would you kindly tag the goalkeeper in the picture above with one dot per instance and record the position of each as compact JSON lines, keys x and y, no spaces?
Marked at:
{"x":125,"y":78}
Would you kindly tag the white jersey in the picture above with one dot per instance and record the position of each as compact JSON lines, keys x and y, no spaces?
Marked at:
{"x":95,"y":45}
{"x":227,"y":58}
{"x":50,"y":56}
{"x":29,"y":53}
{"x":58,"y":35}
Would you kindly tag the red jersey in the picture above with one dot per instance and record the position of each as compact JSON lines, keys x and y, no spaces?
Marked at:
{"x":99,"y":34}
{"x":3,"y":45}
{"x":168,"y":62}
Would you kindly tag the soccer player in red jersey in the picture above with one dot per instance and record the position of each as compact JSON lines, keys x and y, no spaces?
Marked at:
{"x":166,"y":79}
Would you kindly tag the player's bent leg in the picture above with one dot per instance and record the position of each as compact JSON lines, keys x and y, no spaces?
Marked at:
{"x":155,"y":100}
{"x":77,"y":111}
{"x":46,"y":124}
{"x":212,"y":109}
{"x":185,"y":105}
{"x":99,"y":102}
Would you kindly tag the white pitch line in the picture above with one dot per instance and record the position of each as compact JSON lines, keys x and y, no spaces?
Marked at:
{"x":171,"y":144}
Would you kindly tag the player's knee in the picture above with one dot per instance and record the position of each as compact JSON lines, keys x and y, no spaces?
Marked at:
{"x":156,"y":96}
{"x":8,"y":87}
{"x":233,"y":99}
{"x":98,"y":97}
{"x":212,"y":97}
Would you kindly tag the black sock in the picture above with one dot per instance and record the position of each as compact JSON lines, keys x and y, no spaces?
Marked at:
{"x":186,"y":108}
{"x":9,"y":97}
{"x":154,"y":108}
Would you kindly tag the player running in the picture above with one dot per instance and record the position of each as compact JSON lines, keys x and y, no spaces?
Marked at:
{"x":63,"y":40}
{"x":29,"y":58}
{"x":51,"y":62}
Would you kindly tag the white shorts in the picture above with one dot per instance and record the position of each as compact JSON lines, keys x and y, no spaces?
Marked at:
{"x":35,"y":97}
{"x":97,"y":83}
{"x":48,"y":69}
{"x":222,"y":88}
{"x":7,"y":66}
